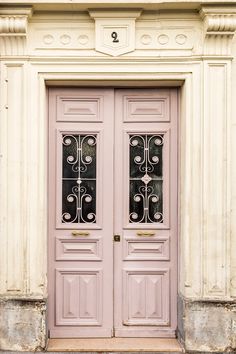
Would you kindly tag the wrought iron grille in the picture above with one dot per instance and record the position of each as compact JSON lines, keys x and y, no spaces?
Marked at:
{"x":79,"y":178}
{"x":146,"y":178}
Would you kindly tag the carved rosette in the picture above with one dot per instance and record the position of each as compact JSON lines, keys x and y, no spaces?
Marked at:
{"x":13,"y":30}
{"x":219,"y":29}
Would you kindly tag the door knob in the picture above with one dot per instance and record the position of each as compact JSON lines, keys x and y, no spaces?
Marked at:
{"x":79,"y":233}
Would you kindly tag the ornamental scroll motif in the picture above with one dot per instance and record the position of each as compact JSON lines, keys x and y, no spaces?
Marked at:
{"x":146,"y":178}
{"x":79,"y":178}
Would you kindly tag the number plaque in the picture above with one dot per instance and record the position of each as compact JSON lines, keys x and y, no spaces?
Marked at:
{"x":115,"y":31}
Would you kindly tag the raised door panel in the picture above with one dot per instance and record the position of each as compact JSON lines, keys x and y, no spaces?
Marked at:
{"x":80,"y":300}
{"x":153,"y":250}
{"x":147,"y":107}
{"x":85,"y":108}
{"x":84,"y":250}
{"x":146,"y":298}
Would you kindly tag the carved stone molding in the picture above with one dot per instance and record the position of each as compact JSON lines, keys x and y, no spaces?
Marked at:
{"x":219,"y":29}
{"x":13,"y":24}
{"x":221,"y":23}
{"x":13,"y":30}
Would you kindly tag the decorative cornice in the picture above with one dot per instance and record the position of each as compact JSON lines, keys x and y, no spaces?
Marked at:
{"x":219,"y":24}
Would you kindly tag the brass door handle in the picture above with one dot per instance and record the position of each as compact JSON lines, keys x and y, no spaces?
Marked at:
{"x":145,"y":233}
{"x":79,"y":233}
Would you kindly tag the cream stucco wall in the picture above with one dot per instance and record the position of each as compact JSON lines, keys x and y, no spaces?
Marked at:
{"x":190,"y":49}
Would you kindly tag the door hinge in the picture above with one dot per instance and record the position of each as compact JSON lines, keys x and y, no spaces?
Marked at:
{"x":116,"y":238}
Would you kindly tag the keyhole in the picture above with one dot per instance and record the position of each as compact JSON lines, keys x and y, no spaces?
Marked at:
{"x":114,"y":35}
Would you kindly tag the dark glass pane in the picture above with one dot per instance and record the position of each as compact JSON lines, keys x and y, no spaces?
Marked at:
{"x":88,"y":201}
{"x":79,"y":178}
{"x":155,"y":147}
{"x":146,"y":155}
{"x":69,"y":201}
{"x":146,"y":174}
{"x":69,"y":156}
{"x":155,"y":201}
{"x":137,"y":156}
{"x":88,"y":156}
{"x":136,"y":202}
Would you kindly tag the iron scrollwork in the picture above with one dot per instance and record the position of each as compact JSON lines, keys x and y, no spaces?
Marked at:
{"x":79,"y":178}
{"x":146,"y":178}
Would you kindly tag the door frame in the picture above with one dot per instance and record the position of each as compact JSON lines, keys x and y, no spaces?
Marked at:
{"x":183,"y":80}
{"x":129,"y":85}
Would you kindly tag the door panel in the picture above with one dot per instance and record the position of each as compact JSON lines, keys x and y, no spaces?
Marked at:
{"x":146,"y":212}
{"x":80,"y":108}
{"x":154,"y":107}
{"x":71,"y":249}
{"x":152,"y":250}
{"x":81,"y":212}
{"x":146,"y":297}
{"x":80,"y":300}
{"x":86,"y":209}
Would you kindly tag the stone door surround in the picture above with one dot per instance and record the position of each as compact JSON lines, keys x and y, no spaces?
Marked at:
{"x":189,"y":49}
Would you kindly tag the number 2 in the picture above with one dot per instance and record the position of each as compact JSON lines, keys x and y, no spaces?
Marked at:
{"x":114,"y":35}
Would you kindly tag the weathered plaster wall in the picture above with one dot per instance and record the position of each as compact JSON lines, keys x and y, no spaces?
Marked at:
{"x":192,"y":49}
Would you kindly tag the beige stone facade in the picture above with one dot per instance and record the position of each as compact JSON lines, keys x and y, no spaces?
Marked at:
{"x":190,"y":45}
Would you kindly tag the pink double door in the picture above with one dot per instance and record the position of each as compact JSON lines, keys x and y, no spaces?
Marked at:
{"x":112,"y":212}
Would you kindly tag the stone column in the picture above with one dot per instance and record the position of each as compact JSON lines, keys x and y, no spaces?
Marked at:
{"x":20,"y":317}
{"x":209,"y":320}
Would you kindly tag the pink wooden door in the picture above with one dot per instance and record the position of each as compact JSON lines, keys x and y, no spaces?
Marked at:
{"x":86,"y":210}
{"x":146,"y":212}
{"x":81,"y":212}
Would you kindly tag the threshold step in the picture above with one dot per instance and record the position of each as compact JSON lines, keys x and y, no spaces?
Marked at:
{"x":115,"y":345}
